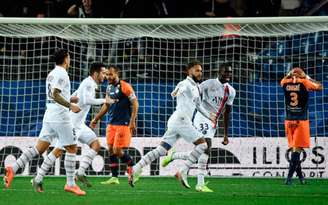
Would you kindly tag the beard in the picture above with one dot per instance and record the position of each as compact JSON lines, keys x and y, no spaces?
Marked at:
{"x":195,"y":79}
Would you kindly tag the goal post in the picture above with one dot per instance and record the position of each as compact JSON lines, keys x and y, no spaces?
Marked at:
{"x":152,"y":54}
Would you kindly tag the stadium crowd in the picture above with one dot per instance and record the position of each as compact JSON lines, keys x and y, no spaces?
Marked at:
{"x":161,"y":8}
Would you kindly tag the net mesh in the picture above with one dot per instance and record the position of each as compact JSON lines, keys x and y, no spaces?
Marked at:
{"x":152,"y":59}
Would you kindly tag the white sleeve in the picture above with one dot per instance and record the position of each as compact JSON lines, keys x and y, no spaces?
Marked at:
{"x":232,"y":95}
{"x":89,"y":96}
{"x":202,"y":110}
{"x":179,"y":89}
{"x":74,"y":94}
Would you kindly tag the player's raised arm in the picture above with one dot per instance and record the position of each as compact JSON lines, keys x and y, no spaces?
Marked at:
{"x":312,"y":84}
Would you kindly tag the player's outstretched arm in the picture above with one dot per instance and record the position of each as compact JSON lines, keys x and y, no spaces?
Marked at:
{"x":60,"y":100}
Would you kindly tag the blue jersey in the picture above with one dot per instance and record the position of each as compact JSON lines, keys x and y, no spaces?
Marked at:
{"x":296,"y":97}
{"x":120,"y":112}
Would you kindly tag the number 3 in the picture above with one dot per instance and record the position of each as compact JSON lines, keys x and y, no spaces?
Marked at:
{"x":293,"y":99}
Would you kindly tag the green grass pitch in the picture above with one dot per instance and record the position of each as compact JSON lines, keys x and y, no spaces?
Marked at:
{"x":167,"y":191}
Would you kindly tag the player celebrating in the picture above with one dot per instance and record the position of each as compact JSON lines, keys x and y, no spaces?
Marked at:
{"x":217,"y":95}
{"x":180,"y":125}
{"x":296,"y":85}
{"x":55,"y":115}
{"x":57,"y":122}
{"x":85,"y":95}
{"x":121,"y":123}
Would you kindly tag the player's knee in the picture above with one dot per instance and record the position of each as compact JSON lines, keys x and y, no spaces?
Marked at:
{"x":118,"y":151}
{"x":57,"y":152}
{"x":95,"y":145}
{"x":297,"y":149}
{"x":200,"y":141}
{"x":71,"y":149}
{"x":110,"y":148}
{"x":42,"y":146}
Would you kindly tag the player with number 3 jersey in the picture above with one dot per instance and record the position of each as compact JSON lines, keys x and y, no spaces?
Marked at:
{"x":296,"y":85}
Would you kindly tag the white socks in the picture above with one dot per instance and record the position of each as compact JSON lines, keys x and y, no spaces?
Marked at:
{"x":86,"y":161}
{"x":202,"y":162}
{"x":194,"y":155}
{"x":27,"y":156}
{"x":149,"y":157}
{"x":69,"y":163}
{"x":46,"y":165}
{"x":180,"y":155}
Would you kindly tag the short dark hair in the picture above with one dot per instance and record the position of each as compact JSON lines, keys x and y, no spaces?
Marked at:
{"x":192,"y":64}
{"x":60,"y":55}
{"x":117,"y":69}
{"x":96,"y":67}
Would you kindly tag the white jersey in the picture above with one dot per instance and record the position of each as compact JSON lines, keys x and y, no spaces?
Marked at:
{"x":188,"y":97}
{"x":57,"y":78}
{"x":216,"y":95}
{"x":86,"y":94}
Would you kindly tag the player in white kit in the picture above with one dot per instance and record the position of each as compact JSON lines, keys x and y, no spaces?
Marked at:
{"x":217,"y":97}
{"x":85,"y":97}
{"x":57,"y":123}
{"x":56,"y":126}
{"x":180,"y":126}
{"x":86,"y":94}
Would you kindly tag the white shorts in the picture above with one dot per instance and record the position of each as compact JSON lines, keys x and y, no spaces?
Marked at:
{"x":180,"y":126}
{"x":61,"y":132}
{"x":85,"y":135}
{"x":204,"y":125}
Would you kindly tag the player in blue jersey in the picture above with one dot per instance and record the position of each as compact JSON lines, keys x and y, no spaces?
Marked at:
{"x":296,"y":85}
{"x":121,"y":123}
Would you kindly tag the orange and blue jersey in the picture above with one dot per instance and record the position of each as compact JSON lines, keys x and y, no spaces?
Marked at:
{"x":296,"y":97}
{"x":120,"y":112}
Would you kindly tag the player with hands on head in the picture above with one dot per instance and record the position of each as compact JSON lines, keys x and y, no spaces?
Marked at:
{"x":297,"y":85}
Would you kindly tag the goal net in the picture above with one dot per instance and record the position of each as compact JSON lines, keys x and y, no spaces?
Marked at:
{"x":152,"y":54}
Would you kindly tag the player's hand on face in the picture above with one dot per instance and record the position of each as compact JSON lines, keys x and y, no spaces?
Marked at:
{"x":74,"y":99}
{"x":93,"y":123}
{"x":225,"y":140}
{"x":132,"y":127}
{"x":74,"y":108}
